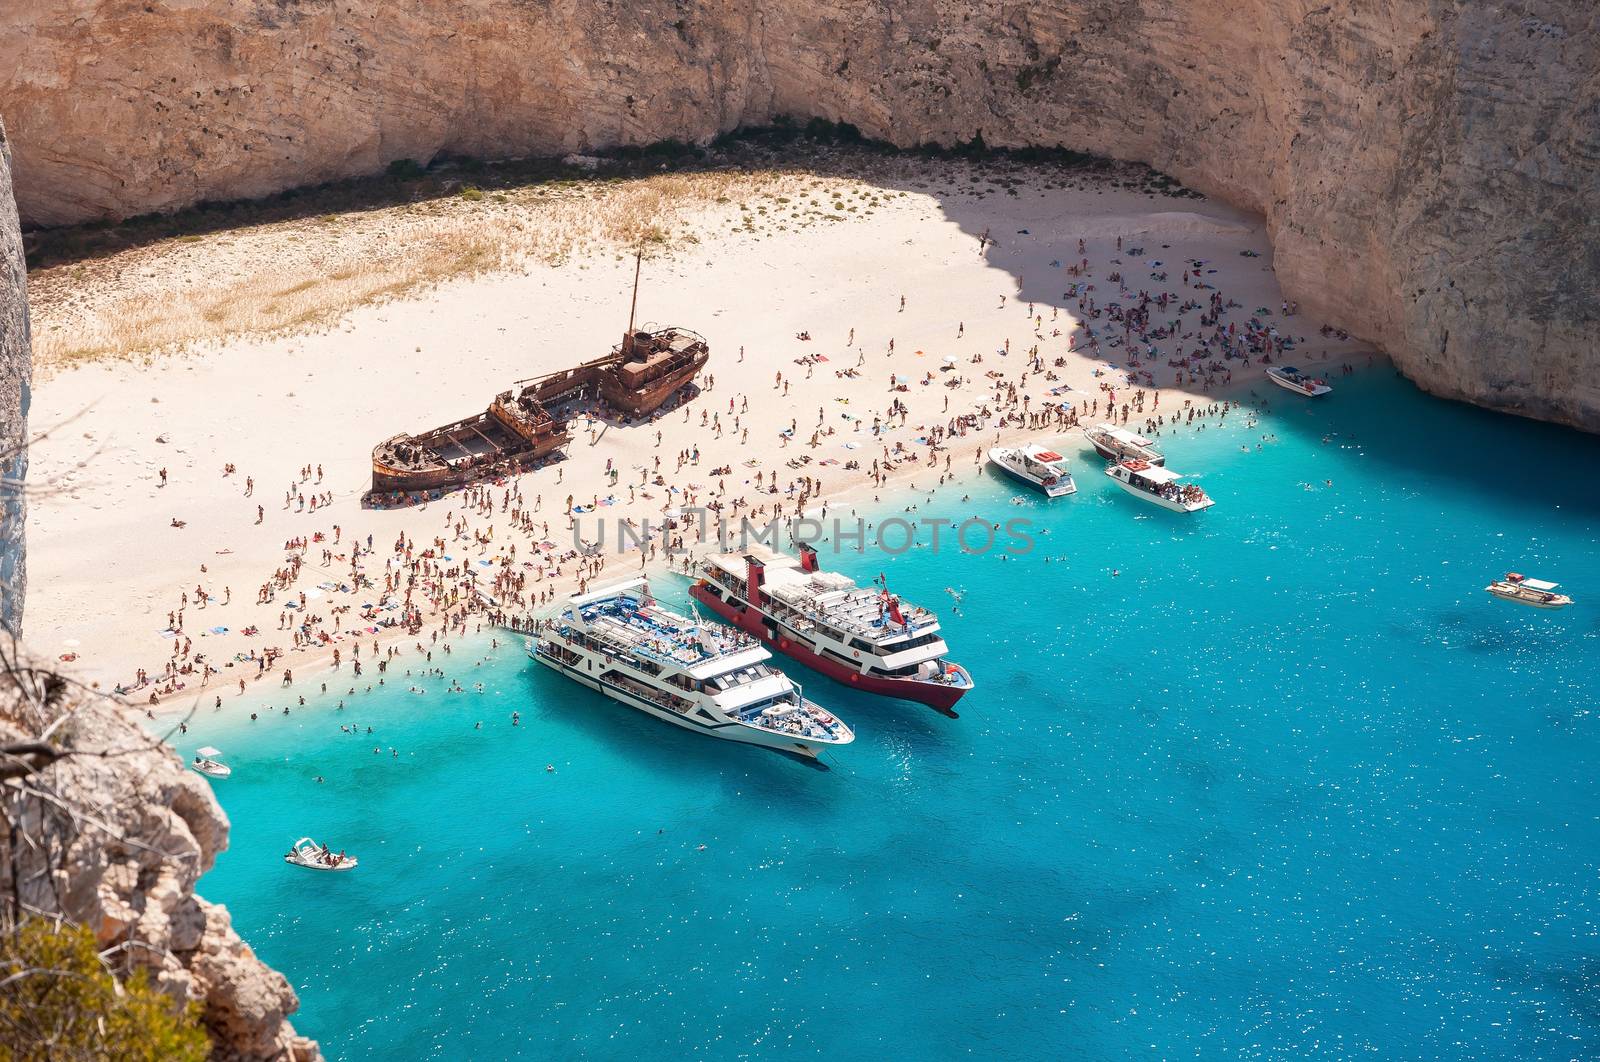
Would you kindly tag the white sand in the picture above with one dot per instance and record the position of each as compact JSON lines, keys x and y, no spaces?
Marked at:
{"x":106,"y":566}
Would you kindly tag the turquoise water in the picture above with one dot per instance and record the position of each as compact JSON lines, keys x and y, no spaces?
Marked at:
{"x":1287,"y":785}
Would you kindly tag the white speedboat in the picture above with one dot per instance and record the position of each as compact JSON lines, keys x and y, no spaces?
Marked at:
{"x":1160,"y":485}
{"x":620,"y":641}
{"x":1120,"y":444}
{"x":1301,"y":383}
{"x":1525,"y":591}
{"x":313,"y":856}
{"x":208,"y":766}
{"x":1036,"y":466}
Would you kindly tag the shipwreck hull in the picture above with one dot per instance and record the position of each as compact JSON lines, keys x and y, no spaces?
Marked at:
{"x":511,"y":436}
{"x":524,"y":426}
{"x":645,"y":401}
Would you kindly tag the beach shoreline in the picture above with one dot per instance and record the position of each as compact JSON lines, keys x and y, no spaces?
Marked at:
{"x":109,"y":557}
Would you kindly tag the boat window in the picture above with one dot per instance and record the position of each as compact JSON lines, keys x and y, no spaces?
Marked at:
{"x":912,"y":643}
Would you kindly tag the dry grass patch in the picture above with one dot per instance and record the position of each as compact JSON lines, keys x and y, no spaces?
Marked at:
{"x":293,"y":275}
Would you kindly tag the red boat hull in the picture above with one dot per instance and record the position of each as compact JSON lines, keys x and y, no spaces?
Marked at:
{"x":941,"y":699}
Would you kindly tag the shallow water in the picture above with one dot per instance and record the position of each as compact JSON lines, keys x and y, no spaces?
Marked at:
{"x":1288,"y":784}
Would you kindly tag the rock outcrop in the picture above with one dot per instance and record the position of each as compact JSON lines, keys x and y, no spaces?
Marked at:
{"x":142,"y":830}
{"x":1427,"y":167}
{"x":132,"y":830}
{"x":15,"y":374}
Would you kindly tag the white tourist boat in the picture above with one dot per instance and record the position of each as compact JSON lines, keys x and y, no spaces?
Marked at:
{"x":1120,"y":444}
{"x":206,"y":764}
{"x":1301,"y":383}
{"x":1160,"y":485}
{"x":1525,"y":591}
{"x":313,"y":856}
{"x":862,"y":637}
{"x":1037,"y":466}
{"x":620,"y":641}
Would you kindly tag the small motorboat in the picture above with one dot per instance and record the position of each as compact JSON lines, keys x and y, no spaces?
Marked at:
{"x":1036,"y":466}
{"x":1120,"y":444}
{"x":208,"y":766}
{"x":313,"y":856}
{"x":1159,"y":484}
{"x":1301,"y":383}
{"x":1525,"y":591}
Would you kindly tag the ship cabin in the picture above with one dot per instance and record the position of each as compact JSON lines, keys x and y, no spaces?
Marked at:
{"x":826,"y":604}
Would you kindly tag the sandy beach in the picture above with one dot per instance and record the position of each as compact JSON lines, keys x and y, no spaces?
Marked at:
{"x":937,"y":272}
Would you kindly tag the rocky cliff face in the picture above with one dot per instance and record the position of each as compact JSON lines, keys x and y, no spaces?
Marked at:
{"x":1428,"y":167}
{"x":125,"y":862}
{"x":15,"y":373}
{"x":141,"y":829}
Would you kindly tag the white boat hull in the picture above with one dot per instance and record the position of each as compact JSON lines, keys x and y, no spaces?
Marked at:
{"x":1115,"y":454}
{"x":308,"y":855}
{"x":348,"y":864}
{"x":1314,"y":391}
{"x":728,"y":731}
{"x":1116,"y":451}
{"x":1060,"y":489}
{"x":1177,"y":506}
{"x":1557,"y":601}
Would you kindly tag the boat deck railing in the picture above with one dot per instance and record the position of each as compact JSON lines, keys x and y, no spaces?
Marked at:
{"x":858,"y":613}
{"x":804,"y":609}
{"x":666,"y":700}
{"x":633,"y":630}
{"x":610,"y":649}
{"x":790,"y":717}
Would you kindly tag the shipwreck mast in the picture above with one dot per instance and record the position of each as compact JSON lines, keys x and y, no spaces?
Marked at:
{"x":638,"y":261}
{"x":630,"y":341}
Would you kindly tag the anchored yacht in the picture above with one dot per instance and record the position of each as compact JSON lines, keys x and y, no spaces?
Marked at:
{"x":1160,"y":485}
{"x":1120,"y":444}
{"x":1037,"y":466}
{"x":1301,"y":383}
{"x":620,"y":641}
{"x":866,"y":638}
{"x":1525,"y":591}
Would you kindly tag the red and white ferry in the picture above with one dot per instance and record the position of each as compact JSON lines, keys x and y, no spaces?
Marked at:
{"x":863,"y":637}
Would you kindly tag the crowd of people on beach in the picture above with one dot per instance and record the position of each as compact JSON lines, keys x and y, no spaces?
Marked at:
{"x":495,"y":553}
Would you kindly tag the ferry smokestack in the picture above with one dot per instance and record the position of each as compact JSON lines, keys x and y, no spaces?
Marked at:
{"x":808,"y":558}
{"x":755,"y":579}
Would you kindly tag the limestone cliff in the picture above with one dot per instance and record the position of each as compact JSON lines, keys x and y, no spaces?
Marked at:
{"x":126,"y":831}
{"x":15,"y":373}
{"x":1427,"y":167}
{"x":124,"y":862}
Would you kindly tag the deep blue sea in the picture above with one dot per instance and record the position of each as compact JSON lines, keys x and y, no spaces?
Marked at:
{"x":1278,"y":780}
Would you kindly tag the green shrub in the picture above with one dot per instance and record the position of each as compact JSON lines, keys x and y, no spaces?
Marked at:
{"x":73,"y":1008}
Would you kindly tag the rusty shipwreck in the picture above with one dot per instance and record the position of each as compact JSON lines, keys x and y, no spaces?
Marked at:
{"x":528,"y":423}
